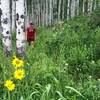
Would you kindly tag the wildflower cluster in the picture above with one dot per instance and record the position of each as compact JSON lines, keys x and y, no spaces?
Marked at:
{"x":18,"y":74}
{"x":17,"y":62}
{"x":10,"y":85}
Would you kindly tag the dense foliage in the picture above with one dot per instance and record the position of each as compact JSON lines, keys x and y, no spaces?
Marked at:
{"x":63,"y":65}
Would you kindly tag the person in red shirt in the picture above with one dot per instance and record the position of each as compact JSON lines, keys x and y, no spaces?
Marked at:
{"x":31,"y":34}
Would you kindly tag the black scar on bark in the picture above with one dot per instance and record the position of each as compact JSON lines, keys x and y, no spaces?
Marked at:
{"x":1,"y":29}
{"x":7,"y":32}
{"x":15,"y":26}
{"x":19,"y":22}
{"x":0,"y":12}
{"x":10,"y":37}
{"x":5,"y":21}
{"x":6,"y":37}
{"x":17,"y":16}
{"x":22,"y":27}
{"x":22,"y":16}
{"x":23,"y":41}
{"x":18,"y":32}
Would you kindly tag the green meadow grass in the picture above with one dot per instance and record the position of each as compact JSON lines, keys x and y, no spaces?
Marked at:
{"x":63,"y":65}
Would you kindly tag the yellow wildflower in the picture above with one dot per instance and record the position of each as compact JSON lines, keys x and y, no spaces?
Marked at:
{"x":10,"y":85}
{"x":19,"y":74}
{"x":17,"y":62}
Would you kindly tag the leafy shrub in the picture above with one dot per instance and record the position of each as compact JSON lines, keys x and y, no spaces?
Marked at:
{"x":77,"y":44}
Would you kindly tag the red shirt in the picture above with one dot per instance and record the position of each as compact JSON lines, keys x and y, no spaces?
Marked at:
{"x":31,"y":31}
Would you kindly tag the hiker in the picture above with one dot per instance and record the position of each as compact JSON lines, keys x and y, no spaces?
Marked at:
{"x":31,"y":34}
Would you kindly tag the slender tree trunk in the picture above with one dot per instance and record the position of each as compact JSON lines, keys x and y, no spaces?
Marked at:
{"x":91,"y":5}
{"x":20,"y":31}
{"x":34,"y":13}
{"x":5,"y":22}
{"x":50,"y":12}
{"x":46,"y":12}
{"x":31,"y":14}
{"x":43,"y":14}
{"x":38,"y":13}
{"x":73,"y":8}
{"x":0,"y":18}
{"x":63,"y":9}
{"x":36,"y":3}
{"x":77,"y":7}
{"x":13,"y":15}
{"x":26,"y":15}
{"x":68,"y":9}
{"x":94,"y":4}
{"x":0,"y":22}
{"x":53,"y":5}
{"x":59,"y":10}
{"x":97,"y":3}
{"x":55,"y":12}
{"x":83,"y":7}
{"x":88,"y":9}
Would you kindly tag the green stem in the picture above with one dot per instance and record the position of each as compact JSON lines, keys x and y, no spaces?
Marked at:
{"x":9,"y":96}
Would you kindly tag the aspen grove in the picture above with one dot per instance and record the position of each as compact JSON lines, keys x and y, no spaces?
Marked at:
{"x":49,"y":49}
{"x":16,"y":14}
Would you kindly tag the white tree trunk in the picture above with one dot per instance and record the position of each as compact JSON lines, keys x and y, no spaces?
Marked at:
{"x":63,"y":9}
{"x":20,"y":31}
{"x":94,"y":4}
{"x":43,"y":14}
{"x":13,"y":14}
{"x":50,"y":12}
{"x":68,"y":9}
{"x":26,"y":16}
{"x":46,"y":12}
{"x":88,"y":9}
{"x":0,"y":18}
{"x":83,"y":6}
{"x":91,"y":5}
{"x":59,"y":10}
{"x":73,"y":8}
{"x":77,"y":7}
{"x":5,"y":23}
{"x":38,"y":13}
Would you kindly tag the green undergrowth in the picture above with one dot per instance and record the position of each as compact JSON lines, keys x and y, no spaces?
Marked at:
{"x":63,"y":65}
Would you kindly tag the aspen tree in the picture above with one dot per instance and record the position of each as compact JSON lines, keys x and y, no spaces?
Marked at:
{"x":20,"y":31}
{"x":5,"y":23}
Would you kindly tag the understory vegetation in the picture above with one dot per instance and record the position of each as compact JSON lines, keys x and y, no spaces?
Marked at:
{"x":63,"y":65}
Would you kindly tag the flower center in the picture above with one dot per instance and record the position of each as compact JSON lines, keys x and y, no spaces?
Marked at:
{"x":17,"y":61}
{"x":19,"y":74}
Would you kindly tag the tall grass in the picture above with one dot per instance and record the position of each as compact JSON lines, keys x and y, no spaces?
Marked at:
{"x":63,"y":65}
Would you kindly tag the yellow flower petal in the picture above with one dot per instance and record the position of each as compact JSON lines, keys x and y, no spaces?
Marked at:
{"x":19,"y":74}
{"x":9,"y":85}
{"x":17,"y":62}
